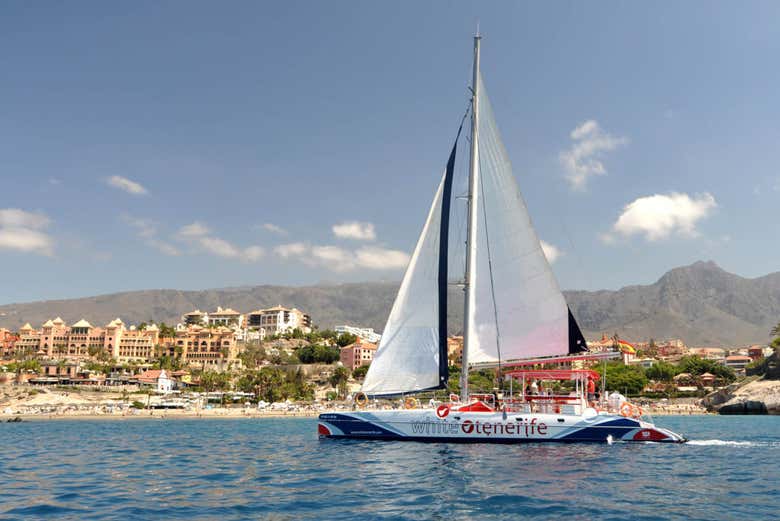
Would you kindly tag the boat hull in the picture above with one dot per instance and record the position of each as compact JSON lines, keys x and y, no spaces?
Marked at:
{"x":493,"y":427}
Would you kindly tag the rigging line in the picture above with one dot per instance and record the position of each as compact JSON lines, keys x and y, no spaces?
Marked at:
{"x":490,"y":270}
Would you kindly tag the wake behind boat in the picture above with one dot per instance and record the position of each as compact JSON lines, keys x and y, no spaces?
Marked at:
{"x":515,"y":316}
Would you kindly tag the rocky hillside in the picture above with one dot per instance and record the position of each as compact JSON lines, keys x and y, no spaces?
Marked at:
{"x":701,"y":303}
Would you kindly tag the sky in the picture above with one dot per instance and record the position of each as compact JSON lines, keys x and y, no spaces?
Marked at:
{"x":194,"y":145}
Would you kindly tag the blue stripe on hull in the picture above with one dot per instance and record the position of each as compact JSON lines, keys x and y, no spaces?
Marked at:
{"x":355,"y":428}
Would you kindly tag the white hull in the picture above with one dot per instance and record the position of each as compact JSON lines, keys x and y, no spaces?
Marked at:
{"x":489,"y":427}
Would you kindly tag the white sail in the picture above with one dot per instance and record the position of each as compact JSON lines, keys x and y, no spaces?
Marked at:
{"x":519,"y":310}
{"x":408,"y":358}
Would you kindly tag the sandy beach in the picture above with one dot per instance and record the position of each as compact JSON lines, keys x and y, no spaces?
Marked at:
{"x":34,"y":403}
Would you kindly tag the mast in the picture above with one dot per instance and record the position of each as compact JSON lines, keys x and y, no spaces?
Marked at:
{"x":471,"y":242}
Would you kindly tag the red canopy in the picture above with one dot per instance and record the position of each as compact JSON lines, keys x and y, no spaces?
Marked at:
{"x":554,"y":374}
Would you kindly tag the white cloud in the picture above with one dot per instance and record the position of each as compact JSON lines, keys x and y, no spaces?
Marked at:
{"x":376,"y":258}
{"x":125,"y":184}
{"x":583,"y":159}
{"x":200,"y":235}
{"x":16,"y":218}
{"x":335,"y":258}
{"x":660,"y":216}
{"x":361,"y":231}
{"x":25,"y":240}
{"x":22,"y":231}
{"x":217,"y":246}
{"x":273,"y":228}
{"x":163,"y":247}
{"x":293,"y":249}
{"x":254,"y":253}
{"x":146,"y":229}
{"x":195,"y":229}
{"x":550,"y":251}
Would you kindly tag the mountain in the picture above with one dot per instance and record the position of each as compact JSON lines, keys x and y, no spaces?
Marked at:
{"x":701,"y":304}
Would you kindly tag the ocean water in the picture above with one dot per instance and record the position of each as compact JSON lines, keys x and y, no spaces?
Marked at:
{"x":278,"y":469}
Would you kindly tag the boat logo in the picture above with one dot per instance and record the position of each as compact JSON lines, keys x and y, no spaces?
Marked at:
{"x":442,"y":410}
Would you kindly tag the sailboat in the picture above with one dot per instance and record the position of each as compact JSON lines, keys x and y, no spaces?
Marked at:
{"x":515,"y":317}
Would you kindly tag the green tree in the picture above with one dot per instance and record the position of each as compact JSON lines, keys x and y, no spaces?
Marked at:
{"x":775,"y":330}
{"x":661,"y":372}
{"x":318,"y":353}
{"x":696,"y":366}
{"x":345,"y":339}
{"x":360,"y":372}
{"x":628,"y":379}
{"x":166,"y":330}
{"x":215,"y":381}
{"x":479,"y":381}
{"x":339,"y":380}
{"x":252,"y":355}
{"x":328,"y":334}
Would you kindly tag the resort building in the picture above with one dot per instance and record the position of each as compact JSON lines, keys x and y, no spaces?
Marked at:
{"x":276,"y":321}
{"x":195,"y":318}
{"x":710,"y":353}
{"x":357,"y":355}
{"x":363,"y":333}
{"x":83,"y":340}
{"x":210,"y":348}
{"x":737,"y":362}
{"x":29,"y":341}
{"x":455,"y":349}
{"x":134,"y":344}
{"x":225,"y":317}
{"x":7,"y":342}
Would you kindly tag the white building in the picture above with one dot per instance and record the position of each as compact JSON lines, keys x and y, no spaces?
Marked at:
{"x":195,"y":318}
{"x":225,"y":317}
{"x":365,"y":333}
{"x":276,"y":321}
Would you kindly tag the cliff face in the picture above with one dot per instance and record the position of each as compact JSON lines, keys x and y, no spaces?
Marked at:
{"x":702,"y":304}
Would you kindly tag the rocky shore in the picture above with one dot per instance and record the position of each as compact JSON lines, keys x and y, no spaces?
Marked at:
{"x":760,"y":396}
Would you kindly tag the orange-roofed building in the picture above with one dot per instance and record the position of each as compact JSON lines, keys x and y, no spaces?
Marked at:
{"x":357,"y":355}
{"x":157,"y":378}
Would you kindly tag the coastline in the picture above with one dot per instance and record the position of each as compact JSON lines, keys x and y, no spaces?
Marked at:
{"x":225,"y":414}
{"x":159,"y":414}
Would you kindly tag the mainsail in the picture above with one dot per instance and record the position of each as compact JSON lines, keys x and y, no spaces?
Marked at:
{"x":519,"y":310}
{"x":516,"y":309}
{"x":412,"y":354}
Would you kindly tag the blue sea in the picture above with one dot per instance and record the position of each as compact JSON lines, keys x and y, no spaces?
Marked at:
{"x":277,"y":469}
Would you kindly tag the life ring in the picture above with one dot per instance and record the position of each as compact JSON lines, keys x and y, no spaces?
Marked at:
{"x":626,"y":409}
{"x":454,"y":398}
{"x":637,"y":411}
{"x":410,"y":403}
{"x":442,"y":410}
{"x":361,"y":400}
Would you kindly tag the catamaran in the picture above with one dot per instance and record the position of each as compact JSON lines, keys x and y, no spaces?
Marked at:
{"x":515,"y":319}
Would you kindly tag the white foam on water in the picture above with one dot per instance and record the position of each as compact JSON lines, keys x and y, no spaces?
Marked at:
{"x":724,"y":443}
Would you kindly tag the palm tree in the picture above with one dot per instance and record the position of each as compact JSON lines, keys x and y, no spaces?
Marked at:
{"x":339,"y":380}
{"x":775,"y":330}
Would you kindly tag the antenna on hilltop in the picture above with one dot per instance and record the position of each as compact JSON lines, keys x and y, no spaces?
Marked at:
{"x":477,"y":28}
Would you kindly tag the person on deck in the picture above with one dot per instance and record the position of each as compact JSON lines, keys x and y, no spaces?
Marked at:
{"x":591,"y":392}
